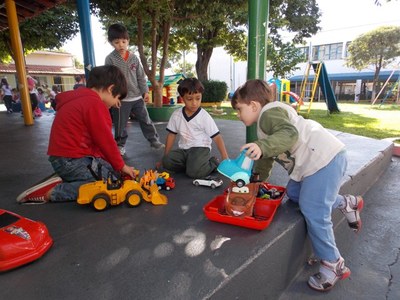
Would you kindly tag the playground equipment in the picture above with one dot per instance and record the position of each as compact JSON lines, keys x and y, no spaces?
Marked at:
{"x":283,"y":92}
{"x":395,"y":88}
{"x":320,"y":78}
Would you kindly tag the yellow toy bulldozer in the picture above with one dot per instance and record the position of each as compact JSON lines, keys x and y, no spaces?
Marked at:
{"x":114,"y":190}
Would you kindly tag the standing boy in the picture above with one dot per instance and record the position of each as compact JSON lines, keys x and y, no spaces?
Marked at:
{"x":81,"y":136}
{"x":197,"y":129}
{"x":316,"y":162}
{"x":138,"y":94}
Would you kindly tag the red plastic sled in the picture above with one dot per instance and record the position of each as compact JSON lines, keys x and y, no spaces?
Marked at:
{"x":22,"y":240}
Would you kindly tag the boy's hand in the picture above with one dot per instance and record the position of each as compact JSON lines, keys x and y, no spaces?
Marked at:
{"x":253,"y":151}
{"x":118,"y":104}
{"x":146,"y":97}
{"x":129,"y":171}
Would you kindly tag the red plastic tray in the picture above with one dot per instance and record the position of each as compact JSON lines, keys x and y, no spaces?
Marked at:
{"x":264,"y":211}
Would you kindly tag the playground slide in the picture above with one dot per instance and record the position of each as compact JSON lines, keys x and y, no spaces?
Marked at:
{"x":294,"y":96}
{"x":326,"y":88}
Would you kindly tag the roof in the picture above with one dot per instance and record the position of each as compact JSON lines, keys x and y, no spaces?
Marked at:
{"x":353,"y":76}
{"x":170,"y":79}
{"x":41,"y":69}
{"x":26,"y":9}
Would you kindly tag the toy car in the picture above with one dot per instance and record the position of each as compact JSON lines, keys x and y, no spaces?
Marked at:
{"x":240,"y":200}
{"x":238,"y":170}
{"x":22,"y":240}
{"x":113,"y":191}
{"x":165,"y":181}
{"x":210,"y":181}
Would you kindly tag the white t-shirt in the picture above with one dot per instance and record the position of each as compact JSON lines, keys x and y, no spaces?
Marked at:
{"x":194,"y":131}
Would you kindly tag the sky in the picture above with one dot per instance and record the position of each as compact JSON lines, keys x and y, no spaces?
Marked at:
{"x":341,"y":20}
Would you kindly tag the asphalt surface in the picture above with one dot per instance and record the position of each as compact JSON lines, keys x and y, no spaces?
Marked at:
{"x":372,"y":254}
{"x":173,"y":251}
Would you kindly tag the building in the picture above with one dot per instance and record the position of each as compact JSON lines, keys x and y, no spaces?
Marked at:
{"x":47,"y":68}
{"x":346,"y":82}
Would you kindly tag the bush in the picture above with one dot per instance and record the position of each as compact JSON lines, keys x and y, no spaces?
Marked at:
{"x":214,"y":91}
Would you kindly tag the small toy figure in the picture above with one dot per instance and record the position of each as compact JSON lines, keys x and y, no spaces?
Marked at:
{"x":165,"y":181}
{"x":240,"y":200}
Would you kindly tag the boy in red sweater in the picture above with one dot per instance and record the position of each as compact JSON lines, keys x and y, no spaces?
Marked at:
{"x":81,"y":136}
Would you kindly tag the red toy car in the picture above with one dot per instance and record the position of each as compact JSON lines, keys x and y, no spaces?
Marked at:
{"x":22,"y":240}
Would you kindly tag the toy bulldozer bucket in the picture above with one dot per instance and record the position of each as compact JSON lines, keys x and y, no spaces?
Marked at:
{"x":156,"y":197}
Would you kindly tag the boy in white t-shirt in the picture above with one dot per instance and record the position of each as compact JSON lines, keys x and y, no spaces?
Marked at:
{"x":197,"y":130}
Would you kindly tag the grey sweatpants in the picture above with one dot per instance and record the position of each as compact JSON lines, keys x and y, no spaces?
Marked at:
{"x":195,"y":162}
{"x":121,"y":116}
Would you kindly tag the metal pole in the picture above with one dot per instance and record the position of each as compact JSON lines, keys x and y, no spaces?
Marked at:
{"x":16,"y":45}
{"x":257,"y":48}
{"x":86,"y":35}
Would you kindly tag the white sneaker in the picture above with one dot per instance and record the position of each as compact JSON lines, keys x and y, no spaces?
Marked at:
{"x":329,"y":273}
{"x":351,"y":210}
{"x":122,"y":150}
{"x":157,"y":145}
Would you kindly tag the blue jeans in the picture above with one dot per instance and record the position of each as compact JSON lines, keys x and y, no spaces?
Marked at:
{"x":317,"y":195}
{"x":75,"y":172}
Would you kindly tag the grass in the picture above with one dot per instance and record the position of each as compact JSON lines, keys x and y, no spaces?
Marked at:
{"x":361,"y":119}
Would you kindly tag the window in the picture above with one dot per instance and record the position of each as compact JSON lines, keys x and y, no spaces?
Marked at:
{"x":304,"y":51}
{"x":327,"y":52}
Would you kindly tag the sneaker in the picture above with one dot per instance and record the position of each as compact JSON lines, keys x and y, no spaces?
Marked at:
{"x":38,"y":193}
{"x":329,"y":273}
{"x":122,"y":150}
{"x":353,"y":206}
{"x":157,"y":145}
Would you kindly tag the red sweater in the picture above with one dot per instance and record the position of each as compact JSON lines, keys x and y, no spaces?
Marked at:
{"x":82,"y":127}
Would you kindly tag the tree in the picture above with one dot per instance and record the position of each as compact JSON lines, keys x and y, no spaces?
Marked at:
{"x":224,"y":23}
{"x":283,"y":61}
{"x":51,"y":29}
{"x":377,"y":48}
{"x":150,"y":22}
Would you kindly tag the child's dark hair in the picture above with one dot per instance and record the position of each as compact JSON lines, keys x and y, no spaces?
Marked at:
{"x":190,"y":86}
{"x":253,"y":90}
{"x":117,"y":31}
{"x":102,"y":77}
{"x":4,"y":82}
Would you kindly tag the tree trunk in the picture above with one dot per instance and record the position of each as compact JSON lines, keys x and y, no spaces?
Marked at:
{"x":157,"y":93}
{"x":375,"y":82}
{"x":203,"y":60}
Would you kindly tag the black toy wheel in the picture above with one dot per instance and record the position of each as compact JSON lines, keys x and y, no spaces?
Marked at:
{"x":100,"y":202}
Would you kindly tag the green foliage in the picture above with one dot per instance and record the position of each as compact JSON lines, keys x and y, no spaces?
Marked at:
{"x":378,"y":48}
{"x":282,"y":61}
{"x":214,"y":91}
{"x":50,"y":30}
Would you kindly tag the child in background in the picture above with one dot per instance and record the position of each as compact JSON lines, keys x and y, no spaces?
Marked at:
{"x":138,"y":94}
{"x":316,"y":162}
{"x":81,"y":136}
{"x":7,"y":95}
{"x":197,"y":129}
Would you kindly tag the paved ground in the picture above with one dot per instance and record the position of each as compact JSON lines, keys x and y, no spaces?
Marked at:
{"x":173,"y":251}
{"x":373,"y":253}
